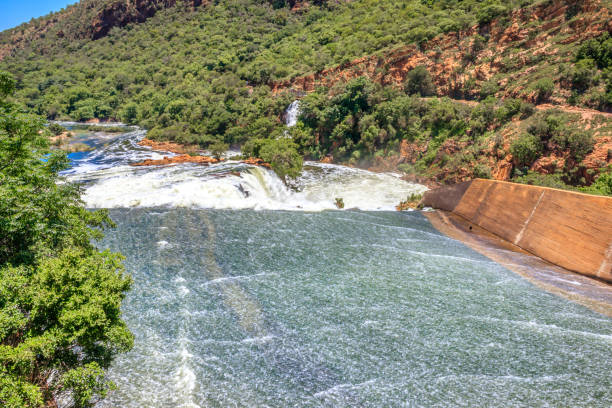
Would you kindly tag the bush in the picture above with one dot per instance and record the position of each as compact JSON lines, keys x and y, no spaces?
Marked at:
{"x":579,"y":142}
{"x":543,"y":180}
{"x":525,"y":149}
{"x":418,"y":81}
{"x":56,"y":129}
{"x":282,"y":155}
{"x":482,"y":171}
{"x":129,"y":113}
{"x":602,"y":184}
{"x":488,"y":13}
{"x":583,"y":74}
{"x":544,"y":89}
{"x":488,"y":88}
{"x":546,"y":124}
{"x":217,"y":149}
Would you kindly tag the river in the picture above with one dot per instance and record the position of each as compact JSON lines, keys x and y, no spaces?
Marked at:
{"x":249,"y":294}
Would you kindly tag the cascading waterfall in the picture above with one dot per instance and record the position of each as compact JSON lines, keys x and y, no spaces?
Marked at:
{"x":110,"y":182}
{"x":292,"y":113}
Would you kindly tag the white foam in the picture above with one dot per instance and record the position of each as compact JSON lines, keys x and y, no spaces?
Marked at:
{"x":112,"y":183}
{"x":256,"y":188}
{"x":163,"y":244}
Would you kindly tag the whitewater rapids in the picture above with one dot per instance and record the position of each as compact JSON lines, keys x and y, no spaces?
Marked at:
{"x":111,"y":182}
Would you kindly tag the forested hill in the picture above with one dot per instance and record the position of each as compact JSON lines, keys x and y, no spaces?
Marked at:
{"x":198,"y":72}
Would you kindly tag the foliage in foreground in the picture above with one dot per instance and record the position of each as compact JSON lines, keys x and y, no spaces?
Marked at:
{"x":60,"y":319}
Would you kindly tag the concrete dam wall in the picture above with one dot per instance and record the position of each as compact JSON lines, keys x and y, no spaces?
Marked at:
{"x":569,"y":229}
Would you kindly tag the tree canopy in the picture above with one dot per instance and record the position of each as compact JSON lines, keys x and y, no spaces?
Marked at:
{"x":60,"y":297}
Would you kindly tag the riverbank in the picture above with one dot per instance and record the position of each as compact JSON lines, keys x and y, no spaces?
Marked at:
{"x":571,"y":230}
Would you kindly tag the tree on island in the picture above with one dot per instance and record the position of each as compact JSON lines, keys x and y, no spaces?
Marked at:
{"x":60,"y":297}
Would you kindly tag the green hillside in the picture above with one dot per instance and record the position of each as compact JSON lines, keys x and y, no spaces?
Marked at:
{"x":201,"y":73}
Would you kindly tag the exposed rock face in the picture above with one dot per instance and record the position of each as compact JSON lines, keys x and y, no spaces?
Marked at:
{"x":254,"y":161}
{"x":122,"y":12}
{"x":165,"y":146}
{"x":95,"y":20}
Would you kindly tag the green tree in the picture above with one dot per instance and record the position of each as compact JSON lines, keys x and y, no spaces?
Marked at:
{"x":217,"y":149}
{"x":525,"y":149}
{"x":283,"y":157}
{"x":60,"y":319}
{"x":282,"y":154}
{"x":418,"y":81}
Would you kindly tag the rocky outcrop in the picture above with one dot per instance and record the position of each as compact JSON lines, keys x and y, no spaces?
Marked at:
{"x":88,"y":19}
{"x":569,"y":229}
{"x":166,"y":146}
{"x":254,"y":161}
{"x":182,"y":158}
{"x":205,"y":160}
{"x":123,"y":12}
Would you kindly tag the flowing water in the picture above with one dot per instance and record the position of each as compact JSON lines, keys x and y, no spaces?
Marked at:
{"x":292,"y":113}
{"x":247,"y":294}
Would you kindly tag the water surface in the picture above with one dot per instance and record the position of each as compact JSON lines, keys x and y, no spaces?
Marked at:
{"x":370,"y":309}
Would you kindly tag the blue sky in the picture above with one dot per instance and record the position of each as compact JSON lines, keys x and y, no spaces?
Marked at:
{"x":15,"y":12}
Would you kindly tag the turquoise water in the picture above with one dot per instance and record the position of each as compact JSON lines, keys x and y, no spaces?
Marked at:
{"x":340,"y":309}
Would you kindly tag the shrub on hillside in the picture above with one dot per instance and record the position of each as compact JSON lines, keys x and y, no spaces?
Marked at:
{"x":418,"y":81}
{"x":602,"y":184}
{"x":578,"y":142}
{"x":488,"y":13}
{"x":544,"y":89}
{"x":525,"y":149}
{"x":488,"y":88}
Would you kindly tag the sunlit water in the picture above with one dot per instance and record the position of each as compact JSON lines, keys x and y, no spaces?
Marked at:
{"x":254,"y":308}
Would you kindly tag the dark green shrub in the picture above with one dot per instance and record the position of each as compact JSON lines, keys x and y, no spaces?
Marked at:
{"x":544,"y":180}
{"x":602,"y":184}
{"x":579,"y":142}
{"x":488,"y":13}
{"x":217,"y":149}
{"x":418,"y":81}
{"x":283,"y":157}
{"x":545,"y":125}
{"x":482,"y":171}
{"x":598,"y":49}
{"x":56,"y":129}
{"x":488,"y":88}
{"x":525,"y":149}
{"x":584,"y":74}
{"x":129,"y":113}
